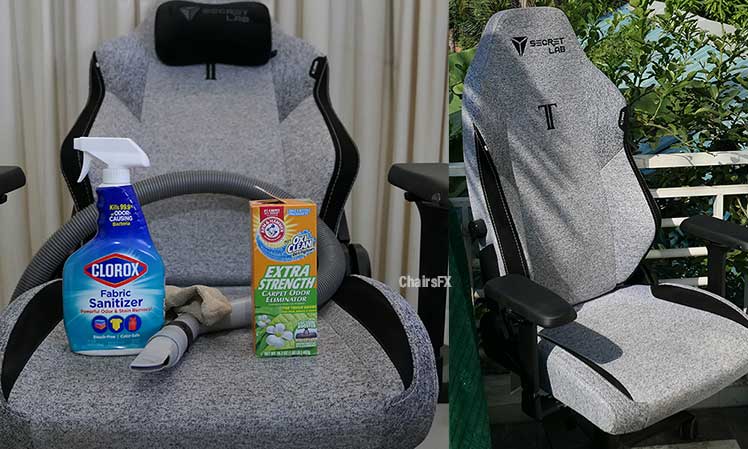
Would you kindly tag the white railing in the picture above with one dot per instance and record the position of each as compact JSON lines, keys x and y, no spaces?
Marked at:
{"x":718,"y":193}
{"x":672,"y":161}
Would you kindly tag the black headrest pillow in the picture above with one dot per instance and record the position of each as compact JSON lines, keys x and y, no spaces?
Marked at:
{"x":197,"y":33}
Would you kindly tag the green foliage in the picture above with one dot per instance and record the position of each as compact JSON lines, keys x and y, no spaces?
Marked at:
{"x":468,"y":17}
{"x":673,"y":93}
{"x":686,"y":88}
{"x":725,"y":11}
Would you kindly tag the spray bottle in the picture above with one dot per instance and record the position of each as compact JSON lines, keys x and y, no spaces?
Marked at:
{"x":113,"y":287}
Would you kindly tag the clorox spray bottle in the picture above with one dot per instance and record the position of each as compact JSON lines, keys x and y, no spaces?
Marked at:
{"x":113,"y":287}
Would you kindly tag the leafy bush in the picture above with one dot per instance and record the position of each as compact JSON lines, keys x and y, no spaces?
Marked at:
{"x":725,"y":11}
{"x":687,"y":90}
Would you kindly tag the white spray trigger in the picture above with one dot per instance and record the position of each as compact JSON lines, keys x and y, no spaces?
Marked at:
{"x":120,"y":154}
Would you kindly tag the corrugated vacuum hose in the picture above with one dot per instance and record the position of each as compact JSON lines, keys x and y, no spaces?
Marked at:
{"x":81,"y":227}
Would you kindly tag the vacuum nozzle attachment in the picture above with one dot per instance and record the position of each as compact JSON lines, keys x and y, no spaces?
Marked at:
{"x":119,"y":153}
{"x":167,"y":346}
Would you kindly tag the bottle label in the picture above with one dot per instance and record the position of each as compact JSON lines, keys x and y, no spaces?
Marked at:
{"x":113,"y":306}
{"x":113,"y":287}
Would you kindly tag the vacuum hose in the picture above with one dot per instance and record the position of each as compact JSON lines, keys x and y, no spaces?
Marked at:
{"x":167,"y":346}
{"x":46,"y":263}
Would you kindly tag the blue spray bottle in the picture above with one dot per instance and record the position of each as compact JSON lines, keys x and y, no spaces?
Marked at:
{"x":113,"y":287}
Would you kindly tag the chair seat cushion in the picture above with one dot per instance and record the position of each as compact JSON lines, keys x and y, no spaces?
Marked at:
{"x":640,"y":354}
{"x":219,"y":395}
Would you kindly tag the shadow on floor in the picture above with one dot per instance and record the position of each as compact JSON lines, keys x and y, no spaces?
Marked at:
{"x":725,"y":428}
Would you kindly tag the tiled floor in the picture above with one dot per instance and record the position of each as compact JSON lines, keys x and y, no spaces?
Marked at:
{"x":724,"y":428}
{"x":438,"y":437}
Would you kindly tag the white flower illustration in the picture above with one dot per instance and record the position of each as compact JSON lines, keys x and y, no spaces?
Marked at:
{"x":278,"y":335}
{"x":263,"y":320}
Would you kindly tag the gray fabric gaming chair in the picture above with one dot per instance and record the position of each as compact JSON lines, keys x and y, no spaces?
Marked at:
{"x":373,"y":384}
{"x":564,"y":220}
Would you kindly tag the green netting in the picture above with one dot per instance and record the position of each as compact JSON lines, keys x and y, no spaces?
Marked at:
{"x":468,"y":412}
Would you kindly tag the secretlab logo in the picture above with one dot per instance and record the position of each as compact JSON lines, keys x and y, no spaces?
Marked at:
{"x":189,"y":12}
{"x":231,"y":14}
{"x":548,"y":109}
{"x":520,"y":43}
{"x":553,"y":44}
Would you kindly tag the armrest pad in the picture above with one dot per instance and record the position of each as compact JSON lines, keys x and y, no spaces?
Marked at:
{"x":11,"y":178}
{"x":717,"y":231}
{"x":531,"y":301}
{"x":427,"y":181}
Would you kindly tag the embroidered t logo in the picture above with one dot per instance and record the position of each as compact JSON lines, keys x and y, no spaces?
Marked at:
{"x":548,"y":108}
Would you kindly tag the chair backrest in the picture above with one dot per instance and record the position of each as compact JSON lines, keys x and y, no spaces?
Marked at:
{"x":273,"y":122}
{"x":547,"y":167}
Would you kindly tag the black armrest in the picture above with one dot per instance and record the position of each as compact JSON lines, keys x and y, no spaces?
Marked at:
{"x":530,"y":301}
{"x":714,"y":230}
{"x":426,"y":181}
{"x":11,"y":178}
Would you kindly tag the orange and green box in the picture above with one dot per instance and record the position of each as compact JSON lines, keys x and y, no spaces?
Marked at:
{"x":284,"y":277}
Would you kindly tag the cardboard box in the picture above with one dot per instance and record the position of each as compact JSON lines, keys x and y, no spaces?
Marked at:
{"x":284,"y":277}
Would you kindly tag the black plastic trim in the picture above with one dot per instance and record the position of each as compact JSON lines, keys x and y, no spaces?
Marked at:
{"x":698,"y":300}
{"x":501,"y":220}
{"x":41,"y":315}
{"x":611,"y":379}
{"x":346,"y":153}
{"x":368,"y":306}
{"x":717,"y":231}
{"x":71,"y":159}
{"x":530,"y":301}
{"x":489,"y":263}
{"x":11,"y":178}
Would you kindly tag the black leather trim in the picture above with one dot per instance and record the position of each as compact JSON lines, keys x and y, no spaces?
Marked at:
{"x":611,"y":379}
{"x":41,"y":315}
{"x":346,"y":153}
{"x":498,"y":210}
{"x":698,"y":300}
{"x":368,"y":306}
{"x":628,"y":145}
{"x":70,"y":159}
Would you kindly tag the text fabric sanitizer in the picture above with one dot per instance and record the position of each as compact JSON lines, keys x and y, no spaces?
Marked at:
{"x":113,"y":287}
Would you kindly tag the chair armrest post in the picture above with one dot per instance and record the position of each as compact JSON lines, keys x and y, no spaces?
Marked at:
{"x":434,"y":252}
{"x":531,"y":305}
{"x":426,"y":185}
{"x":717,"y":269}
{"x":528,"y":356}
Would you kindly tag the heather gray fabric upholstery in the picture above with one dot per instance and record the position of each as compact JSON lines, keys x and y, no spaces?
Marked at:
{"x":668,"y":356}
{"x":220,"y":396}
{"x":583,"y":222}
{"x":257,"y":121}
